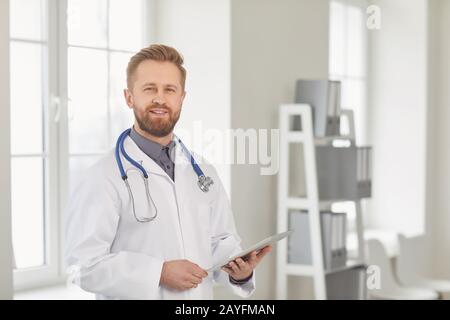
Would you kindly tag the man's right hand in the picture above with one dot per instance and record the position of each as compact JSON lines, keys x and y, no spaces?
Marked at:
{"x":181,"y":274}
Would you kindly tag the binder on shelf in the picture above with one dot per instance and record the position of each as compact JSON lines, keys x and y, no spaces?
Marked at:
{"x":333,"y":229}
{"x":299,"y":243}
{"x":364,"y":176}
{"x":328,"y":237}
{"x":343,"y":172}
{"x":349,"y":284}
{"x":325,"y":98}
{"x":338,"y":247}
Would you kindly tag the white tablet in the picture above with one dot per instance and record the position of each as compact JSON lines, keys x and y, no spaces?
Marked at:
{"x":257,"y":247}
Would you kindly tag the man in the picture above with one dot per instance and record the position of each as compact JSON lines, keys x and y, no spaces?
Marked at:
{"x":119,"y":255}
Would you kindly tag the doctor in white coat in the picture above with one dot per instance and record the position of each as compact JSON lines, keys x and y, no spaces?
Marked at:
{"x":118,"y":257}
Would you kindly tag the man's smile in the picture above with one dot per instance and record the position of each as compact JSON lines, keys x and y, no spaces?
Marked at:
{"x":159,"y":111}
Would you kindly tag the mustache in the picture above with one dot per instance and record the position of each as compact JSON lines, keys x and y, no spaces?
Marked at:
{"x":157,"y":106}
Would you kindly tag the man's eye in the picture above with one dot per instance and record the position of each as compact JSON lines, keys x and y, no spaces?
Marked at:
{"x":170,"y":90}
{"x":149,"y":89}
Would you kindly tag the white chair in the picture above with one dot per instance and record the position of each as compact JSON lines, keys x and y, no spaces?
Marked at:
{"x":410,"y":267}
{"x":389,"y":288}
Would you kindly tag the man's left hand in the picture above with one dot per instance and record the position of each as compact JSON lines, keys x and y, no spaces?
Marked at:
{"x":240,"y":269}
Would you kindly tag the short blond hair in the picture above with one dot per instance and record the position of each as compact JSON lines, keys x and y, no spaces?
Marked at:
{"x":156,"y":52}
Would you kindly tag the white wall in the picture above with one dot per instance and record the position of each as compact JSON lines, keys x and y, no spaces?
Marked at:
{"x":5,"y":192}
{"x":273,"y":44}
{"x":398,"y":116}
{"x":200,"y":30}
{"x":439,"y":137}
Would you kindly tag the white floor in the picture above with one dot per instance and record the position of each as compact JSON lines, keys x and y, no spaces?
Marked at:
{"x":54,"y":293}
{"x":63,"y":292}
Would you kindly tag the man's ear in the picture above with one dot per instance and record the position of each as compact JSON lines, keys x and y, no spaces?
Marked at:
{"x":128,"y":98}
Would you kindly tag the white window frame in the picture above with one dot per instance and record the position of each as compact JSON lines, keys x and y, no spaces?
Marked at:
{"x":56,"y":126}
{"x":48,"y":273}
{"x":362,"y":4}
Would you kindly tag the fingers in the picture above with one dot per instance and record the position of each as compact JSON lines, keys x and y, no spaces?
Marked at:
{"x":243,"y":266}
{"x":195,"y":280}
{"x":237,"y":266}
{"x":181,"y":274}
{"x":263,"y":253}
{"x":253,"y":260}
{"x":191,"y":281}
{"x":256,"y":256}
{"x":196,"y":276}
{"x":200,"y":275}
{"x":267,"y":249}
{"x":234,"y":266}
{"x":190,"y":285}
{"x":227,"y":269}
{"x":198,"y":271}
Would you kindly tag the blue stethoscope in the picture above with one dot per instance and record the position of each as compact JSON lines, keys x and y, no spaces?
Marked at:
{"x":204,"y":182}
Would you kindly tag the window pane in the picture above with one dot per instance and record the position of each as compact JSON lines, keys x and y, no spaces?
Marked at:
{"x":88,"y":117}
{"x":356,"y":42}
{"x":121,"y":116}
{"x":77,"y":166}
{"x":26,"y":98}
{"x":87,"y":22}
{"x":337,"y":38}
{"x":125,"y":24}
{"x":27,"y":194}
{"x":354,"y":98}
{"x":26,"y":19}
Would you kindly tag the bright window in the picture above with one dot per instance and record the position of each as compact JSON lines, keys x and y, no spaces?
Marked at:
{"x":348,"y":58}
{"x":29,"y":150}
{"x":99,"y":47}
{"x":76,"y":60}
{"x":348,"y":64}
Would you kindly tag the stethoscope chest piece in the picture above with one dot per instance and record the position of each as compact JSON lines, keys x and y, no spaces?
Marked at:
{"x":204,"y":183}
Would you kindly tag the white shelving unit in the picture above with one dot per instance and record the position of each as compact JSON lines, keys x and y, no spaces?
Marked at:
{"x":310,"y":202}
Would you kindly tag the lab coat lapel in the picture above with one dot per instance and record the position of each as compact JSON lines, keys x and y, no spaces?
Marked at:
{"x":183,"y":168}
{"x":185,"y":184}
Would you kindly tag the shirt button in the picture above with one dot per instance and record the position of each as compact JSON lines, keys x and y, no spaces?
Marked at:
{"x":168,"y":167}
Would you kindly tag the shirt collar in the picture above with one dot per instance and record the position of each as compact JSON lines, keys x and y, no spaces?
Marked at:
{"x":152,"y":149}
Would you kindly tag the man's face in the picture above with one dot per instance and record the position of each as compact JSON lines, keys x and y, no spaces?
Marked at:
{"x":156,"y":97}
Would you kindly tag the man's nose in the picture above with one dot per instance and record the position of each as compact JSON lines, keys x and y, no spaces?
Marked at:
{"x":159,"y":99}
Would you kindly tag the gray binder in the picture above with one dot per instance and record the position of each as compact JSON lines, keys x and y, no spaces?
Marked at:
{"x":343,"y":173}
{"x":338,"y":246}
{"x":325,"y":98}
{"x":333,"y":229}
{"x":349,"y":284}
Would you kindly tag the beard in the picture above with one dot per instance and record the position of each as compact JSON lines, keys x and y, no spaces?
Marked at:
{"x":157,"y":126}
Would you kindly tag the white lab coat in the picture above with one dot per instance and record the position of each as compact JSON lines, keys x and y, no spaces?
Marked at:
{"x":120,"y":258}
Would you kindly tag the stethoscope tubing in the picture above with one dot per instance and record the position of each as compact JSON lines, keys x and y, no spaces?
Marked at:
{"x":204,"y":182}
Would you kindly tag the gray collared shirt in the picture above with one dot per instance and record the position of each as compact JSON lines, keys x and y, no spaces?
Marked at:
{"x":162,"y":155}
